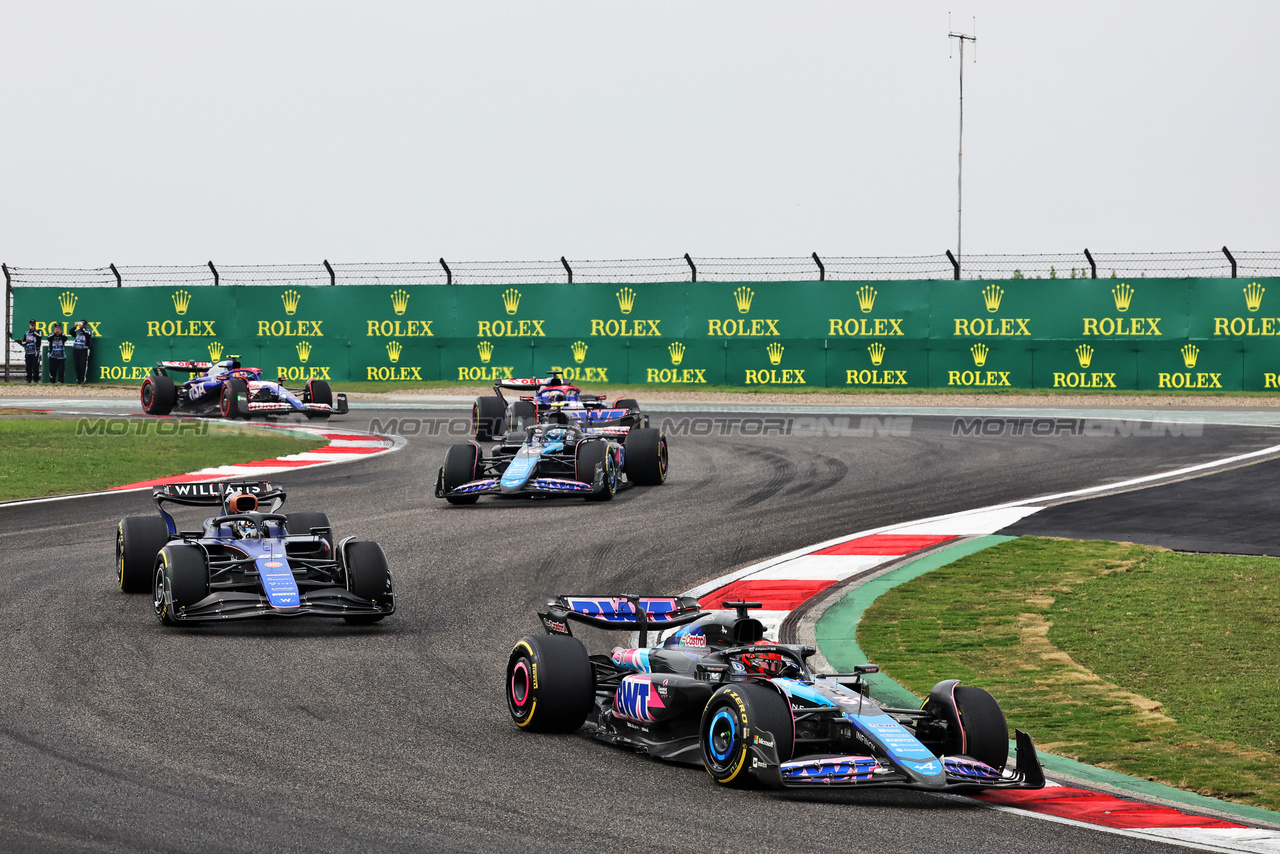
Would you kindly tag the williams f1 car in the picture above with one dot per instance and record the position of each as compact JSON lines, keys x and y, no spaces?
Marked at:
{"x":555,"y":457}
{"x":716,"y":693}
{"x":248,"y":560}
{"x":493,"y":416}
{"x":228,"y":389}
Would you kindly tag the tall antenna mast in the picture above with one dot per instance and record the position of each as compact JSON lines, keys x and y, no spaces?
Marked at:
{"x":962,"y":37}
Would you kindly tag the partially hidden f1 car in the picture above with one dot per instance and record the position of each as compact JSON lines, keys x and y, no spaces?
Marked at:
{"x":231,"y":390}
{"x":491,"y":417}
{"x":716,"y":693}
{"x":555,"y":457}
{"x":248,"y":562}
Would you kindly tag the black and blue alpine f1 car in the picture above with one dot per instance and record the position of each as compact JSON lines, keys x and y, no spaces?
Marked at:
{"x":232,"y":390}
{"x":716,"y":693}
{"x":248,"y":562}
{"x":556,"y":456}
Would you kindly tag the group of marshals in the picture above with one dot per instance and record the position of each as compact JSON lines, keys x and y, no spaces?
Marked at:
{"x":81,"y":339}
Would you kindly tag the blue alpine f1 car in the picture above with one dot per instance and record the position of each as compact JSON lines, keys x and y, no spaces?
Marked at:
{"x":557,"y":456}
{"x":716,"y":693}
{"x":248,"y":560}
{"x":231,"y":390}
{"x":491,"y":417}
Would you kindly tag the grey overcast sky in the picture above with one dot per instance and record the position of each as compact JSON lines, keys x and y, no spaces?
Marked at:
{"x":174,"y":132}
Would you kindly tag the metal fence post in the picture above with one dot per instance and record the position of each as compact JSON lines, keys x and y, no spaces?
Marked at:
{"x":116,"y":273}
{"x":8,"y":317}
{"x":333,"y":279}
{"x":216,"y":277}
{"x":567,"y":269}
{"x":1232,"y":259}
{"x":955,"y":265}
{"x":1092,"y":265}
{"x":822,"y":271}
{"x":689,"y":261}
{"x":448,"y":274}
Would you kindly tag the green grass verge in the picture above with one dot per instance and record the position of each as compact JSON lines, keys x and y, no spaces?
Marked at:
{"x":40,"y":457}
{"x":1150,"y":663}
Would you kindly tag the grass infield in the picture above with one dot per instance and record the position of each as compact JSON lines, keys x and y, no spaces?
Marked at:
{"x":1154,"y":664}
{"x":40,"y":457}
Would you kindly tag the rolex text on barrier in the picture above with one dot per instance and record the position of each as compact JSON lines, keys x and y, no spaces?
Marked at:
{"x":1184,"y":335}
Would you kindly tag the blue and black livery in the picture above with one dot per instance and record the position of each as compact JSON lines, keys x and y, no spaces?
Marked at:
{"x":716,"y":693}
{"x":249,"y":560}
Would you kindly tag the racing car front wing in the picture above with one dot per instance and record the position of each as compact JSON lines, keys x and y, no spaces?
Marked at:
{"x":534,"y":486}
{"x":319,"y":602}
{"x":962,"y":773}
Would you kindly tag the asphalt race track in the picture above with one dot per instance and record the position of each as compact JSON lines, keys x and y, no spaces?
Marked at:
{"x":118,"y":734}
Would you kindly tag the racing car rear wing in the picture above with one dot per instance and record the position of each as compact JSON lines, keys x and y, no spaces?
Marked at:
{"x":188,"y":367}
{"x":213,"y":494}
{"x":626,"y":612}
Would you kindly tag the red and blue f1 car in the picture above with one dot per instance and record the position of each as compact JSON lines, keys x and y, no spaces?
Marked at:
{"x":491,"y":417}
{"x":716,"y":693}
{"x":249,"y":560}
{"x":231,"y":390}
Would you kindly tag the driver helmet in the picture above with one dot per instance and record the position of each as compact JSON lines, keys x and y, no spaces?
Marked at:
{"x":555,"y":397}
{"x":766,"y":663}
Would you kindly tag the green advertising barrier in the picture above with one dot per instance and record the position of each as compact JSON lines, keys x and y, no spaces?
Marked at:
{"x":1089,"y":334}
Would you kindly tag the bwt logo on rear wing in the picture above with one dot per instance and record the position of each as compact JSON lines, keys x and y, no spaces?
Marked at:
{"x":620,"y":613}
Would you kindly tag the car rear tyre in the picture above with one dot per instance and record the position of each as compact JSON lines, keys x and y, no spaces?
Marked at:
{"x":646,"y":456}
{"x":461,"y":464}
{"x":368,"y":577}
{"x":159,"y":395}
{"x":590,"y":454}
{"x":550,"y":683}
{"x":733,"y":718}
{"x":235,"y":399}
{"x":138,"y":540}
{"x":486,"y":418}
{"x":523,"y":414}
{"x":184,"y":572}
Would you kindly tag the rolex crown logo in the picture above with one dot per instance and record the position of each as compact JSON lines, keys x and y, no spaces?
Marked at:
{"x":400,"y":301}
{"x":676,"y":349}
{"x":1085,"y":354}
{"x":579,"y":351}
{"x":511,"y":300}
{"x":1190,"y":353}
{"x":775,"y":352}
{"x":393,"y":350}
{"x":877,"y":353}
{"x":304,"y":351}
{"x":486,"y":351}
{"x":866,"y":299}
{"x":215,"y":351}
{"x":980,"y":353}
{"x":67,"y":302}
{"x":626,"y":300}
{"x":126,"y":350}
{"x":1252,"y":296}
{"x":743,"y":296}
{"x":991,"y":295}
{"x":1123,"y":295}
{"x":181,"y":300}
{"x":290,"y":298}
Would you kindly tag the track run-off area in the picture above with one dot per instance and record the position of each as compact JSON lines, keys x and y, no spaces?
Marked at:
{"x":118,"y":734}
